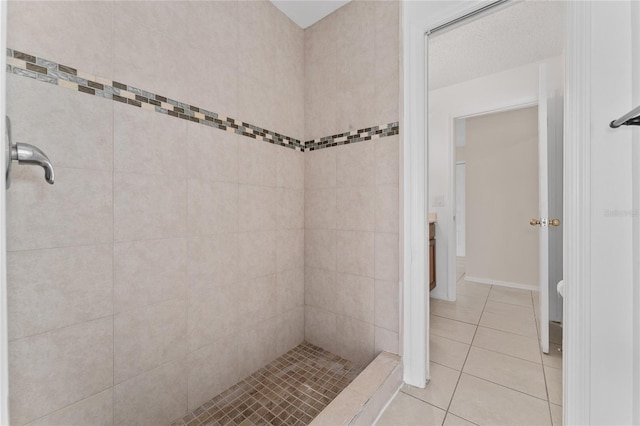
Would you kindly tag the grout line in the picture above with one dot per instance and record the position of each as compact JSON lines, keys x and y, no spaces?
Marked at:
{"x":465,"y":361}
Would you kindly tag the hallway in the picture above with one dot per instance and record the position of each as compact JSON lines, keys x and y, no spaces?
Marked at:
{"x":486,"y":365}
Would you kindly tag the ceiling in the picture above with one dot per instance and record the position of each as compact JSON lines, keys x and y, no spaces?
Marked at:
{"x":521,"y":34}
{"x":307,"y":12}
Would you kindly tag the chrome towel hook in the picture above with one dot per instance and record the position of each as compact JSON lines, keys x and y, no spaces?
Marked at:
{"x":24,"y":153}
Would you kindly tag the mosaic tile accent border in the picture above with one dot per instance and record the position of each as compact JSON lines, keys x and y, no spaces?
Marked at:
{"x":26,"y":65}
{"x":354,"y":136}
{"x":47,"y":71}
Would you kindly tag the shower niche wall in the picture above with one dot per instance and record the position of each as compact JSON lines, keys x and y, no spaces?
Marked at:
{"x":177,"y":252}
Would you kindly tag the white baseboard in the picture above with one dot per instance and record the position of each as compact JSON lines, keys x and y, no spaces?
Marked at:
{"x":500,"y":283}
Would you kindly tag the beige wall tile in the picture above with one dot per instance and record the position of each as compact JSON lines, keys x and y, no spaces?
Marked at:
{"x":385,"y":340}
{"x":212,"y":369}
{"x":212,"y":314}
{"x":320,"y":249}
{"x":54,"y":288}
{"x":255,"y":301}
{"x":290,"y":331}
{"x":257,"y":346}
{"x":354,"y":297}
{"x":355,"y":253}
{"x":215,"y":259}
{"x":320,"y":168}
{"x":290,"y":169}
{"x":257,"y":162}
{"x":387,"y":257}
{"x":257,"y":208}
{"x":290,"y":208}
{"x":148,"y":337}
{"x":387,"y":153}
{"x":95,"y":410}
{"x":387,"y":208}
{"x":58,"y":368}
{"x":73,"y":129}
{"x":155,"y":397}
{"x":148,"y":272}
{"x":320,"y":208}
{"x":79,"y":209}
{"x":387,"y":305}
{"x":147,"y":142}
{"x":320,"y":288}
{"x":257,"y":254}
{"x":148,"y":206}
{"x":290,"y":290}
{"x":354,"y":340}
{"x":355,"y":164}
{"x":320,"y":328}
{"x":212,"y":154}
{"x":83,"y":29}
{"x":355,"y":208}
{"x":290,"y":249}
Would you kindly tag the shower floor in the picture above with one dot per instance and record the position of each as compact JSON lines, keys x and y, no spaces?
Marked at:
{"x":291,"y":390}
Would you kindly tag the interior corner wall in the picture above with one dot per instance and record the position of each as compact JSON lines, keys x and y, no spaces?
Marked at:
{"x":167,"y":261}
{"x":352,"y":189}
{"x":501,"y":155}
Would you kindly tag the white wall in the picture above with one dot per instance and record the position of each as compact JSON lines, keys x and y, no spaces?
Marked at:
{"x":497,"y":91}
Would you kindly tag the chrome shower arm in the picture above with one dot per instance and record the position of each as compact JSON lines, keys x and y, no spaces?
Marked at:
{"x":25,"y":153}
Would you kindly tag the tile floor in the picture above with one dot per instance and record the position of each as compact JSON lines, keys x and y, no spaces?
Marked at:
{"x":486,"y":365}
{"x":291,"y":390}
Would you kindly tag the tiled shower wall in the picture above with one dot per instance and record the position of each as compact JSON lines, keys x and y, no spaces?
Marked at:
{"x":167,"y":261}
{"x":352,"y":191}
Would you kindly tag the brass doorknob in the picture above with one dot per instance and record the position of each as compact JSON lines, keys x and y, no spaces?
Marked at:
{"x":554,"y":222}
{"x":534,"y":222}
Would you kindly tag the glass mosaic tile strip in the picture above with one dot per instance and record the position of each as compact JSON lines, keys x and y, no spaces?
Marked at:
{"x":354,"y":136}
{"x":26,"y":65}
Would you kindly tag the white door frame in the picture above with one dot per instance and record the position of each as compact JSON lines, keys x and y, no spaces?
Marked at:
{"x":418,"y":19}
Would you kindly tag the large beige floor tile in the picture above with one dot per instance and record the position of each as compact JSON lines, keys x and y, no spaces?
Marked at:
{"x":511,"y":295}
{"x":468,"y":288}
{"x":510,"y":324}
{"x":454,"y":311}
{"x":508,"y":343}
{"x":514,"y":373}
{"x":471,"y":301}
{"x":453,"y":420}
{"x":448,"y":352}
{"x":554,"y":357}
{"x":554,"y":384}
{"x":439,"y":389}
{"x":556,"y":414}
{"x":508,"y":309}
{"x":406,"y":410}
{"x":486,"y":403}
{"x":452,"y":329}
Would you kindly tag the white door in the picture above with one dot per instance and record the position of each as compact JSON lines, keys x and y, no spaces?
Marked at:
{"x":543,"y":213}
{"x":460,"y":209}
{"x":550,"y":201}
{"x":4,"y":382}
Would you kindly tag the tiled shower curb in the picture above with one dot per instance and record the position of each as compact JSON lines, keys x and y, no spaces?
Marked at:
{"x":31,"y":66}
